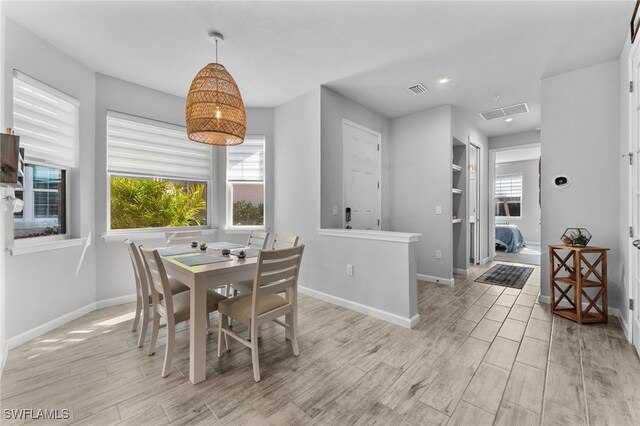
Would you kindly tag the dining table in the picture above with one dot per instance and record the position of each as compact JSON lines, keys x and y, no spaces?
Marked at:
{"x":201,"y":270}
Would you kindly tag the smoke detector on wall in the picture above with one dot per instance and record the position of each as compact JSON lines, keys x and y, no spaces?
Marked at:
{"x":418,"y":88}
{"x":504,"y":111}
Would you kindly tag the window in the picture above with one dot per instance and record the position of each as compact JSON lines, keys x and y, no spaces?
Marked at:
{"x":245,"y":183}
{"x":157,"y":177}
{"x":47,"y":122}
{"x":509,"y":196}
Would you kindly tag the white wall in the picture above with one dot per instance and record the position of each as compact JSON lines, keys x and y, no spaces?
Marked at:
{"x":420,"y":180}
{"x":335,"y":108}
{"x":114,"y":273}
{"x":463,"y":130}
{"x":383,"y":283}
{"x":581,"y":137}
{"x":3,"y":311}
{"x":530,"y":223}
{"x":514,"y":139}
{"x":43,"y":286}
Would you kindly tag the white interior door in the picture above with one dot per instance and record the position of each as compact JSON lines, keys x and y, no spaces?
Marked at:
{"x":634,"y":194}
{"x":361,"y":175}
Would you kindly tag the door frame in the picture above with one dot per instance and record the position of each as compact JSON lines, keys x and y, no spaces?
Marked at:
{"x":378,"y":135}
{"x":634,"y":134}
{"x":477,"y":228}
{"x":492,"y":193}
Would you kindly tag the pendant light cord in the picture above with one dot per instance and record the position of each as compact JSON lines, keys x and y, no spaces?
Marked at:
{"x":216,"y":51}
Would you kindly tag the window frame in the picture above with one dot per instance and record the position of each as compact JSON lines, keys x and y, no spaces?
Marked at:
{"x":521,"y":197}
{"x":229,"y":190}
{"x":158,"y":229}
{"x":211,"y":203}
{"x":67,"y":202}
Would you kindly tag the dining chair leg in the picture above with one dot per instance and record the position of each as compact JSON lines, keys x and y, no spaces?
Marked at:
{"x":209,"y":331}
{"x":154,"y":332}
{"x":168,"y":353}
{"x":136,"y":319}
{"x":254,"y":353}
{"x":292,"y":322}
{"x":145,"y":324}
{"x":220,"y":333}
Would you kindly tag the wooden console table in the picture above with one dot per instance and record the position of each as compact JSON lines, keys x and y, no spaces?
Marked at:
{"x":579,"y":268}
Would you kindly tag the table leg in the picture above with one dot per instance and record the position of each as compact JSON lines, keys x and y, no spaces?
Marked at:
{"x":577,"y":288}
{"x":197,"y":331}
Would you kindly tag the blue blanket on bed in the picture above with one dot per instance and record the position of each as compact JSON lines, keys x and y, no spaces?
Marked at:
{"x":509,"y":236}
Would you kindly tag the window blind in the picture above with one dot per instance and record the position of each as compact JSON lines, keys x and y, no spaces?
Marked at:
{"x":245,"y":162}
{"x":46,"y":121}
{"x":509,"y":186}
{"x":145,"y":147}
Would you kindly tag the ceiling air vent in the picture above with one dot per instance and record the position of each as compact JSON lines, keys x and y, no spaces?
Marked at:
{"x":418,"y":88}
{"x":505,"y":111}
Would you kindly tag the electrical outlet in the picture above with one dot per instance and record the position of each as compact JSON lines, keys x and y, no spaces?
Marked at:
{"x":350,"y":270}
{"x":438,"y":254}
{"x":438,"y":209}
{"x":335,"y":210}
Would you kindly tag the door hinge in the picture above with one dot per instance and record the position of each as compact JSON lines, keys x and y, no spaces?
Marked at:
{"x":630,"y":158}
{"x":631,"y":304}
{"x":631,"y":87}
{"x":378,"y":222}
{"x":378,"y":147}
{"x":378,"y":184}
{"x":631,"y":232}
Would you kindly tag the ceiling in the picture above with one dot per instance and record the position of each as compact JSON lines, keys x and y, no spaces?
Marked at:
{"x":514,"y":155}
{"x":368,"y":51}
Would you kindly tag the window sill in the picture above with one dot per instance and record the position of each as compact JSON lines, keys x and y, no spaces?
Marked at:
{"x":505,"y":220}
{"x":40,"y":246}
{"x":396,"y":237}
{"x":243,"y":230}
{"x":111,"y":237}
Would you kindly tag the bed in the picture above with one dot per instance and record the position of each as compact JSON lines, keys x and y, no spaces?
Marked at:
{"x":510,"y":237}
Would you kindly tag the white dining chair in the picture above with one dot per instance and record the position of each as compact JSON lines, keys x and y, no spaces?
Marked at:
{"x":182,"y":238}
{"x":279,"y":242}
{"x":143,"y":294}
{"x":277,"y":271}
{"x":258,"y":239}
{"x":173,"y":308}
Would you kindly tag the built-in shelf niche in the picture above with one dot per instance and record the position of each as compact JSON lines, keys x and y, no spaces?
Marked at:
{"x":459,"y":172}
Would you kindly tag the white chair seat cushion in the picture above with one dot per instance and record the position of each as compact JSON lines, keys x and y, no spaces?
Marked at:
{"x":182,"y":304}
{"x":243,"y":286}
{"x":239,"y":307}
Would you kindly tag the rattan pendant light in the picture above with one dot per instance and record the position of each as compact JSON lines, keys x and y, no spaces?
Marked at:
{"x":215,"y":111}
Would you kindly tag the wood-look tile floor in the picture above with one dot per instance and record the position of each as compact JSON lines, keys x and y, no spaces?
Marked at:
{"x":480,"y":355}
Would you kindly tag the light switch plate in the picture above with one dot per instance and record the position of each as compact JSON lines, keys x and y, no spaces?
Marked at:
{"x":335,"y":210}
{"x":438,"y":209}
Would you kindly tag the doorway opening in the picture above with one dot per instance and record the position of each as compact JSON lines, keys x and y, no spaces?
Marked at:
{"x":516,"y":218}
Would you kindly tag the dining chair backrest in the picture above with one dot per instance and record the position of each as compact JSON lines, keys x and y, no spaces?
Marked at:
{"x":158,"y":279}
{"x":284,"y":241}
{"x":258,"y":239}
{"x":182,"y":238}
{"x":277,"y":272}
{"x":139,"y":270}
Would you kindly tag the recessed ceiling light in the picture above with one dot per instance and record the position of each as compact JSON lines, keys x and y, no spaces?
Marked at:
{"x":495,"y":97}
{"x":508,"y":120}
{"x":444,"y":80}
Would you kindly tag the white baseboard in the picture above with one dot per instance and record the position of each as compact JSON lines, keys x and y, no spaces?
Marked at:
{"x":458,"y":271}
{"x":38,"y":331}
{"x":28,"y":335}
{"x":437,"y":280}
{"x":485,"y":261}
{"x":105,"y":303}
{"x":611,"y":310}
{"x":355,"y":306}
{"x":5,"y":353}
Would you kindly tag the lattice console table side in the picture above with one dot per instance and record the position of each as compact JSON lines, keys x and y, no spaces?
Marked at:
{"x":579,"y":268}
